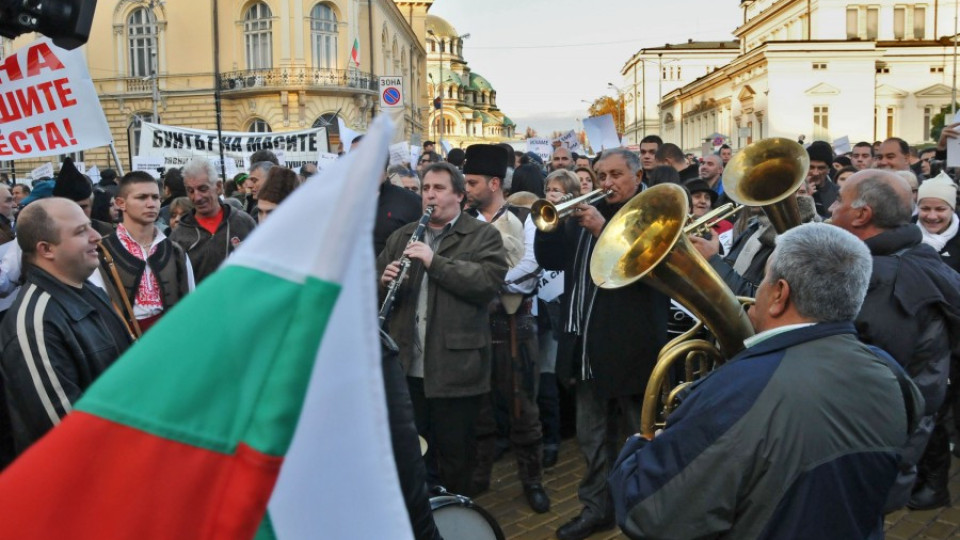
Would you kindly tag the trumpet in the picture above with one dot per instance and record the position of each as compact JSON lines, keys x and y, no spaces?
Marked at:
{"x":702,"y":225}
{"x":547,"y":216}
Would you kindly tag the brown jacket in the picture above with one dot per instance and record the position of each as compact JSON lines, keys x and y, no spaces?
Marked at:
{"x":467,"y":271}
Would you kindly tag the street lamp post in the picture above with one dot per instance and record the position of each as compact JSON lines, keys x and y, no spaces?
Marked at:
{"x":617,"y":108}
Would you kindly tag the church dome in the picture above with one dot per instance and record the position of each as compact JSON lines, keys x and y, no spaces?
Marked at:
{"x":441,"y":27}
{"x":479,"y":83}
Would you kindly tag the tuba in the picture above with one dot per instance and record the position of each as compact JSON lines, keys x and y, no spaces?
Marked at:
{"x":768,"y":173}
{"x":647,"y":239}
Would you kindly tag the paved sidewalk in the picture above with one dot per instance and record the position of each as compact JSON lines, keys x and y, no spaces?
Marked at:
{"x":506,"y":502}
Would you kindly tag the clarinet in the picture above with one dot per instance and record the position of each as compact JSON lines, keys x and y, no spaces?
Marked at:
{"x":417,"y":236}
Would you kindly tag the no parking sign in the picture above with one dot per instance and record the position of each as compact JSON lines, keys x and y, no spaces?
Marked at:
{"x":391,"y":92}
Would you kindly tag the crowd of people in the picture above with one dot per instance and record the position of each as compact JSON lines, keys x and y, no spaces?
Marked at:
{"x":499,"y":340}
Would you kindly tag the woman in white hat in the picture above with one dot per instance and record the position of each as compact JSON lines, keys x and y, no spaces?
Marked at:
{"x":937,"y":218}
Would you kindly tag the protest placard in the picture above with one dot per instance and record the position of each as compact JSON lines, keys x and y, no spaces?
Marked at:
{"x":570,"y":140}
{"x":94,"y":174}
{"x":48,"y":105}
{"x":842,"y":145}
{"x":178,"y":145}
{"x":601,"y":132}
{"x":43,"y":171}
{"x":540,"y":147}
{"x":399,"y":153}
{"x":149,"y":164}
{"x":325,"y":159}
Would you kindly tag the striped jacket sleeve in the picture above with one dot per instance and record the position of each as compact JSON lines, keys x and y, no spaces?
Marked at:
{"x":40,"y":378}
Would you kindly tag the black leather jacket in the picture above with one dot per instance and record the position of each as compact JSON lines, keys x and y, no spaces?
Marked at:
{"x":45,"y":368}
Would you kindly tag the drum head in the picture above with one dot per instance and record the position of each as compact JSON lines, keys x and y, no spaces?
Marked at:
{"x":458,"y":518}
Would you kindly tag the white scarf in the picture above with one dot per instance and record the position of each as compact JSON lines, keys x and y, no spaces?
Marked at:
{"x":939,"y":241}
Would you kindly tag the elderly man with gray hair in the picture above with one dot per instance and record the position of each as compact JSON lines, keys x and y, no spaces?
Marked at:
{"x":212,"y":230}
{"x":912,"y":311}
{"x":777,"y":443}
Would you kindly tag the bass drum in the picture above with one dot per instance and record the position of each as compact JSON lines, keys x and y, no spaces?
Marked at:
{"x":458,"y":518}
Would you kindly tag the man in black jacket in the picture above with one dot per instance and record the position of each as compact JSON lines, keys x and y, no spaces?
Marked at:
{"x":912,"y":311}
{"x":612,"y":336}
{"x":61,"y":333}
{"x":396,"y":206}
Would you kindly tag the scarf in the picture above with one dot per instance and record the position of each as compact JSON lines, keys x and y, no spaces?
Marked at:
{"x":939,"y":241}
{"x":583,"y":286}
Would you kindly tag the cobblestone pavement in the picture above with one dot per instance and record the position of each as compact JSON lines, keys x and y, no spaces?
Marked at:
{"x":505,"y":501}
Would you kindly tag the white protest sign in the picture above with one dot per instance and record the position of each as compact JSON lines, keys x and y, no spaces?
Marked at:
{"x":842,"y":145}
{"x":81,"y":166}
{"x":551,"y":285}
{"x":347,"y":135}
{"x":447,"y":147}
{"x":399,"y":153}
{"x":149,"y":164}
{"x":540,"y":147}
{"x":569,"y":139}
{"x":178,"y":145}
{"x":325,"y":159}
{"x":94,"y":174}
{"x":601,"y":132}
{"x":229,"y":166}
{"x":391,"y":92}
{"x":415,"y":151}
{"x":48,"y":105}
{"x":43,"y":171}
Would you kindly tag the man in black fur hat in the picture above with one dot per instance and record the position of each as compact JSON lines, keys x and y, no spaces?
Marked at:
{"x":513,"y":327}
{"x":76,"y":186}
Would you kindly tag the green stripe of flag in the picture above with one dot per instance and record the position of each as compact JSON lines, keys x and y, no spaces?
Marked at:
{"x":263,"y":365}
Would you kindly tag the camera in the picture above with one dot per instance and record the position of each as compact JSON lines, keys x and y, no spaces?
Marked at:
{"x":66,"y":22}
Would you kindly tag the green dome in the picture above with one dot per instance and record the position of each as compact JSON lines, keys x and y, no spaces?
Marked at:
{"x":448,"y":75}
{"x":487,"y":119}
{"x":478,"y":83}
{"x":508,"y":122}
{"x":440,"y":27}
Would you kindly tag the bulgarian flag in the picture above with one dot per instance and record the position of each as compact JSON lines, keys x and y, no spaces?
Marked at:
{"x":355,"y":52}
{"x":254,"y":408}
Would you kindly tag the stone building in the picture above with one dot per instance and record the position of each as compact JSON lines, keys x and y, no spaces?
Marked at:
{"x":283,"y":65}
{"x":467,"y":111}
{"x":824,"y":69}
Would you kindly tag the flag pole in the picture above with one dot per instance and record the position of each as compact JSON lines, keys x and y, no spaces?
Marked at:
{"x":116,"y":159}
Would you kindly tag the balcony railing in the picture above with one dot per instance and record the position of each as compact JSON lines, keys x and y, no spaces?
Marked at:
{"x":297,"y":77}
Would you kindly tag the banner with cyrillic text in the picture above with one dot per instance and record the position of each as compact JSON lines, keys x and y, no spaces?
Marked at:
{"x":48,"y":105}
{"x":179,"y":145}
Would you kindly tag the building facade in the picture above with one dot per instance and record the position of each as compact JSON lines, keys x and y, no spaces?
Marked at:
{"x":824,"y":69}
{"x":653,"y":73}
{"x":283,"y":65}
{"x":464,"y":109}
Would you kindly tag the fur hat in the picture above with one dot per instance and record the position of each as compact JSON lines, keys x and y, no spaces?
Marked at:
{"x":820,"y":151}
{"x":939,"y":187}
{"x":486,"y":160}
{"x":71,"y":184}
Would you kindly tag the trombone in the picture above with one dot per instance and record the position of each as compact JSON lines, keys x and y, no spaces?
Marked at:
{"x":702,"y":225}
{"x":547,"y":216}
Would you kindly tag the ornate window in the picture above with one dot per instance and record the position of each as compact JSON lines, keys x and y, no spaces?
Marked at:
{"x":323,"y":33}
{"x":142,"y":43}
{"x":259,"y":125}
{"x":258,"y":36}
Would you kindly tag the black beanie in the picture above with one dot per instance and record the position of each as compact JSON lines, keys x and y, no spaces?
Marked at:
{"x":71,"y":184}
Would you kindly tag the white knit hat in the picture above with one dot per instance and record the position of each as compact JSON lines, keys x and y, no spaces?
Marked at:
{"x":939,"y":187}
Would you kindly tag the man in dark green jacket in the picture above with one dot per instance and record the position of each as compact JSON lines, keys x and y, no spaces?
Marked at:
{"x":441,"y":322}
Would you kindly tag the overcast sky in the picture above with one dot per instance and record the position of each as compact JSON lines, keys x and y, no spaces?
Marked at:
{"x":544,"y":56}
